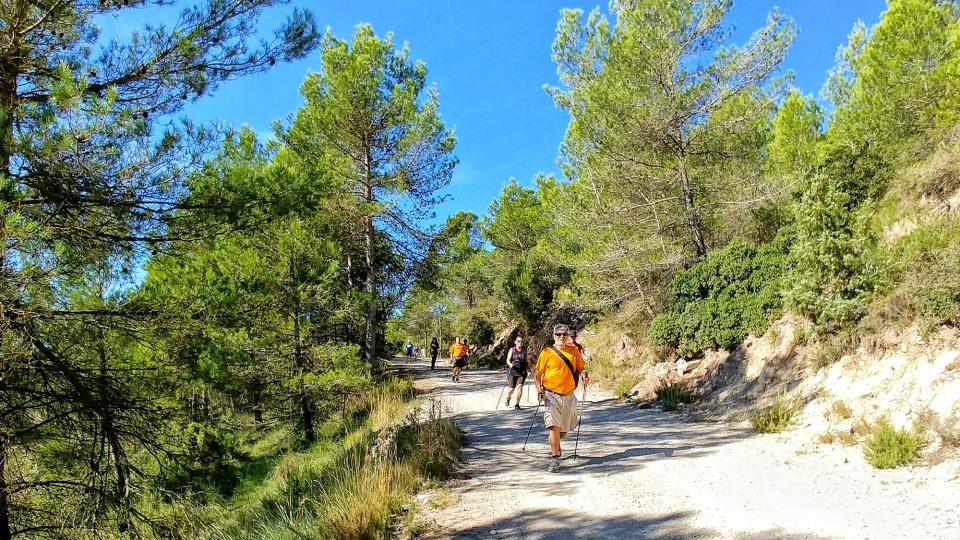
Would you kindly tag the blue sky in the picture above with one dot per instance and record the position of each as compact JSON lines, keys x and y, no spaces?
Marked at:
{"x":489,"y":60}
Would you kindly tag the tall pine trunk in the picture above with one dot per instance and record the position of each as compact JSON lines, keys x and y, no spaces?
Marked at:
{"x":371,"y":285}
{"x":306,"y":408}
{"x":306,"y":404}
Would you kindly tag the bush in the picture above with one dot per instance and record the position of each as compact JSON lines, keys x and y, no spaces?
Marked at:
{"x":717,"y":301}
{"x":672,"y":395}
{"x":888,"y":447}
{"x":625,"y":385}
{"x":211,"y":462}
{"x":776,"y":417}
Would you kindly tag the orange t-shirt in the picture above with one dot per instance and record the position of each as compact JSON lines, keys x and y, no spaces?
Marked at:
{"x":556,"y":374}
{"x":457,"y":350}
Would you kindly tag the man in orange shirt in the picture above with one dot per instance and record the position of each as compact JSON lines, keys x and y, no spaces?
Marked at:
{"x":459,"y":353}
{"x":557,"y":371}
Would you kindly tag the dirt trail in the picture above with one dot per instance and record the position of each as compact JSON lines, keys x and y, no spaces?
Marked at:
{"x":648,"y":474}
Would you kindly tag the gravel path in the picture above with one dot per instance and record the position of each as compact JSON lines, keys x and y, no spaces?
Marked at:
{"x":648,"y":474}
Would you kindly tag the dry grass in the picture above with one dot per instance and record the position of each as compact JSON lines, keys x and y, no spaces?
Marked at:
{"x":840,"y":410}
{"x":442,"y":498}
{"x":946,"y":429}
{"x":777,"y":417}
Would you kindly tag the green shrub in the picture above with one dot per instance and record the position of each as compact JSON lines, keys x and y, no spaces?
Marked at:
{"x":625,"y":385}
{"x":717,"y":301}
{"x":210,"y":463}
{"x":888,"y":447}
{"x":776,"y":417}
{"x":833,"y":258}
{"x":672,"y":395}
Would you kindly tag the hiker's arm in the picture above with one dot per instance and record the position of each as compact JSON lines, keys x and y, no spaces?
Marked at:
{"x":509,"y":357}
{"x":538,"y":382}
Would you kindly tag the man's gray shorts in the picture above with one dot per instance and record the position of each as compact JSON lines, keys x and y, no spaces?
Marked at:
{"x":560,"y":411}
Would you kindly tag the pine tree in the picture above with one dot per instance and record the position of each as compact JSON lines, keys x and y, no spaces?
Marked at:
{"x":370,"y":119}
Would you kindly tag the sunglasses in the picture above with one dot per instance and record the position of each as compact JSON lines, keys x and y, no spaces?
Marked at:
{"x":561,"y":334}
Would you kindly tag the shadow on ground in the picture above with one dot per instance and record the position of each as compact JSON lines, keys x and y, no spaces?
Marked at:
{"x":568,"y":524}
{"x":614,"y":436}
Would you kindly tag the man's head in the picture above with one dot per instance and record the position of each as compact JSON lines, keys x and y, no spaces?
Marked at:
{"x":456,"y":339}
{"x":561,"y":334}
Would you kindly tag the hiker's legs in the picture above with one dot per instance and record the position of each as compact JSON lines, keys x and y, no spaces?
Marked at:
{"x":519,"y":389}
{"x":554,"y":440}
{"x":433,"y":361}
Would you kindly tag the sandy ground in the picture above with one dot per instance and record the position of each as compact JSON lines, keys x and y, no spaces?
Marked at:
{"x":649,"y":474}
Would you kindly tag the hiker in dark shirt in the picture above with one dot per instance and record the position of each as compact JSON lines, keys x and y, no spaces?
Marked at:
{"x":517,"y":369}
{"x":434,"y":351}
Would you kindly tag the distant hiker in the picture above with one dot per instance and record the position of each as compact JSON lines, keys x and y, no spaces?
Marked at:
{"x":557,"y":372}
{"x":434,"y":351}
{"x":516,"y":370}
{"x":458,"y":352}
{"x":409,"y":349}
{"x":573,"y":337}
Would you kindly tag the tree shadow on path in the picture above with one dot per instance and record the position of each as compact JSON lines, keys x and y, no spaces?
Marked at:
{"x":563,"y":524}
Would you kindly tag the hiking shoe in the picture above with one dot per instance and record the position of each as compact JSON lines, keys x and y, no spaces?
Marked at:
{"x":507,"y":402}
{"x":554,"y":464}
{"x":516,"y":407}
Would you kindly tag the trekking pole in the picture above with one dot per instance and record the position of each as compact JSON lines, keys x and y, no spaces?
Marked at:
{"x":534,"y":421}
{"x":501,"y":395}
{"x":579,"y":421}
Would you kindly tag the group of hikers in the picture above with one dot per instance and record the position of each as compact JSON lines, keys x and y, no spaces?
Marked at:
{"x":559,"y":368}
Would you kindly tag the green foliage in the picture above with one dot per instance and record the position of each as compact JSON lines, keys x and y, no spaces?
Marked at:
{"x":672,"y":395}
{"x":792,"y":149}
{"x":888,"y":447}
{"x":480,"y":333}
{"x":516,"y":221}
{"x":833,"y":258}
{"x":95,"y":178}
{"x":902,"y":79}
{"x":530,"y":285}
{"x":371,"y":122}
{"x":717,"y":301}
{"x":927,"y":265}
{"x":645,"y":195}
{"x":210,"y":464}
{"x":777,"y":417}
